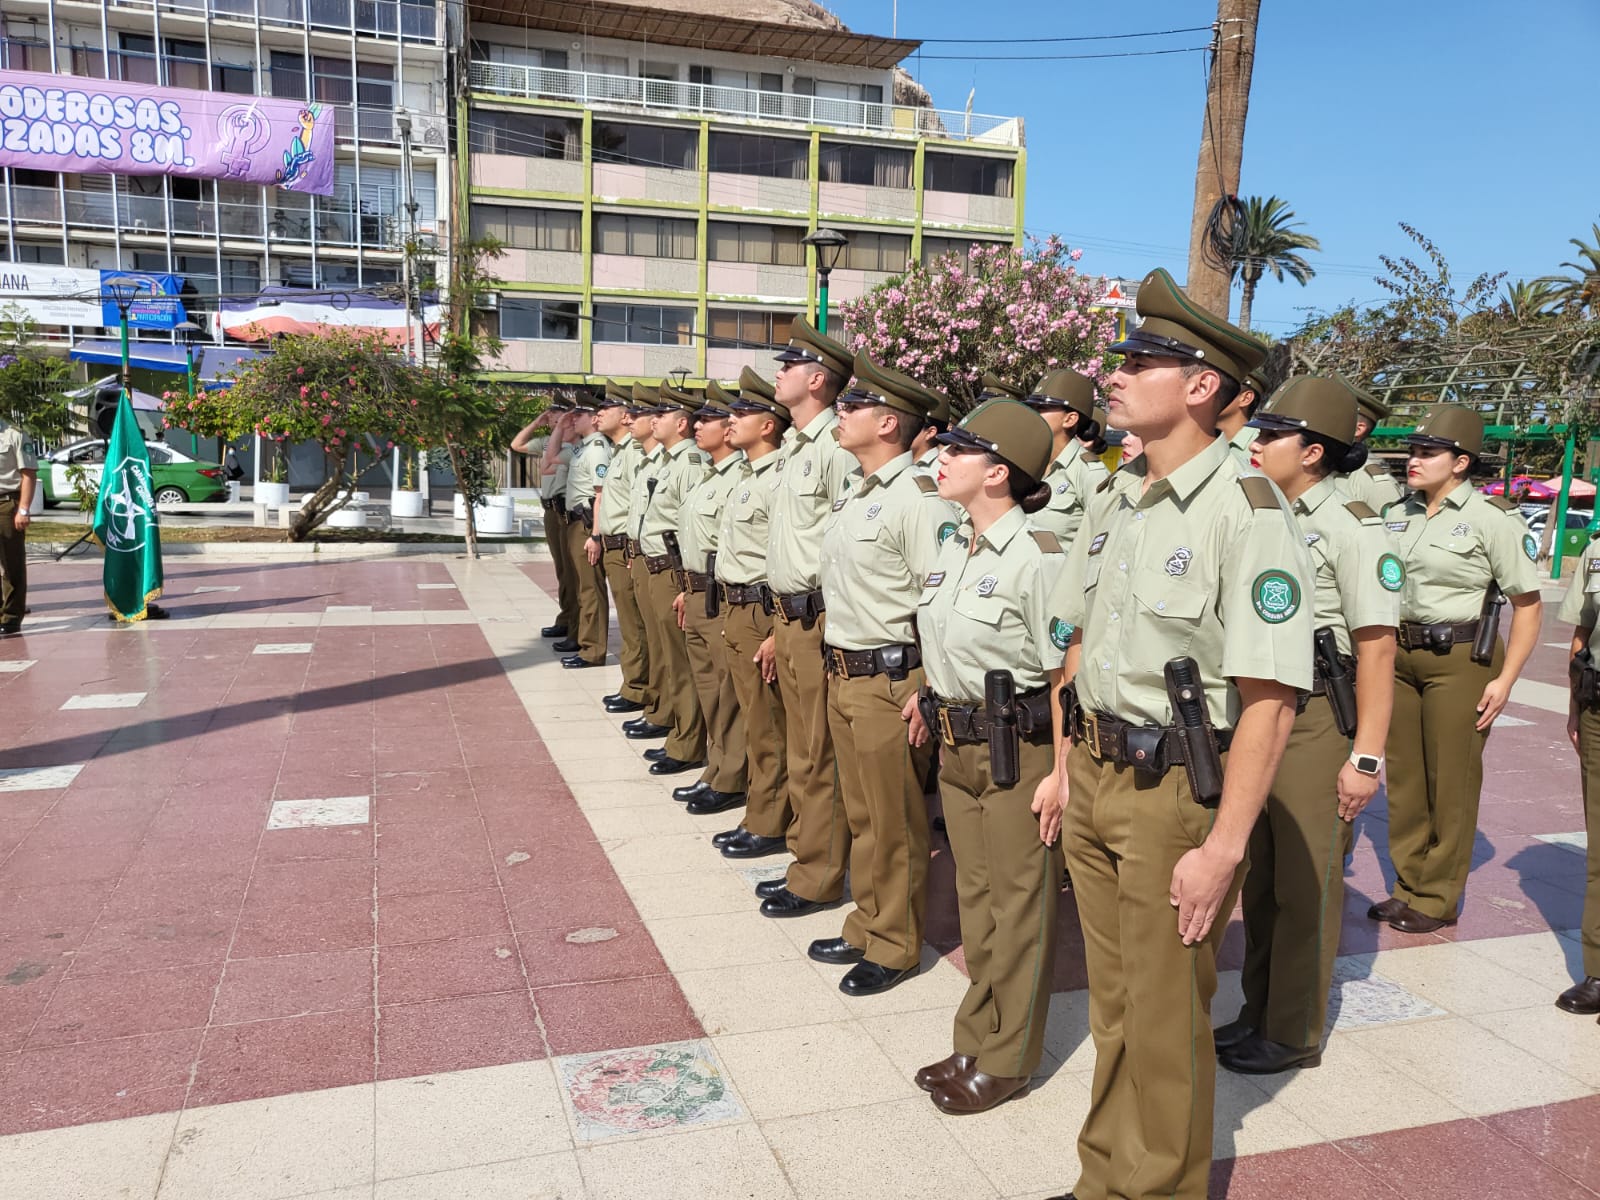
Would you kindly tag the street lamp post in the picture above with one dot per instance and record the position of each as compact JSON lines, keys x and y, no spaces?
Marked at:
{"x":829,"y":244}
{"x":191,"y":331}
{"x":123,"y":293}
{"x":680,"y":376}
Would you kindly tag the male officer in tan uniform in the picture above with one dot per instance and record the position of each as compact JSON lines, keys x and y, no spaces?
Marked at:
{"x":610,"y":543}
{"x":1581,"y":609}
{"x":756,"y":428}
{"x":1183,"y":556}
{"x":878,"y":547}
{"x":699,"y":609}
{"x":682,"y":467}
{"x":656,"y":720}
{"x":1065,"y":399}
{"x":1234,"y":421}
{"x":813,"y":473}
{"x":19,"y":474}
{"x":554,"y":468}
{"x":1372,"y":483}
{"x":594,"y":427}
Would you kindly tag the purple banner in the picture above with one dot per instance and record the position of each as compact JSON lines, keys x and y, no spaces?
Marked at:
{"x":100,"y":126}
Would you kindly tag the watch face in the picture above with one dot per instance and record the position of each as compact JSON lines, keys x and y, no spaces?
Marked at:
{"x":1367,"y":763}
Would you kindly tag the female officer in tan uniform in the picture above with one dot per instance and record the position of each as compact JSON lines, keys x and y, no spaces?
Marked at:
{"x":1454,"y":543}
{"x":1580,"y":609}
{"x":1294,"y":890}
{"x":984,"y":608}
{"x":1065,"y":399}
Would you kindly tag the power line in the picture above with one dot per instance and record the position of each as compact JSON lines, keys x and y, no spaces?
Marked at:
{"x":1095,"y":37}
{"x":1055,"y":57}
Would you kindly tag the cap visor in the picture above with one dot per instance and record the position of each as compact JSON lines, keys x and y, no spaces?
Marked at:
{"x":1273,"y":421}
{"x":962,"y":439}
{"x":788,"y":356}
{"x":1134,"y":344}
{"x":1422,"y":439}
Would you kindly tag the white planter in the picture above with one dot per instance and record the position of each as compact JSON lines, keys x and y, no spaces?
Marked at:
{"x":460,"y":507}
{"x":36,"y":506}
{"x":233,"y":491}
{"x":347,"y":518}
{"x":273,"y":495}
{"x":405,"y":504}
{"x":493,"y":518}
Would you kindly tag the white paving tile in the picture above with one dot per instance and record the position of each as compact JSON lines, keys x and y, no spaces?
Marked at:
{"x":335,"y":810}
{"x":283,"y":648}
{"x":436,"y":587}
{"x":1505,"y":722}
{"x":15,"y":666}
{"x":37,"y":779}
{"x":1578,"y":842}
{"x":1363,"y":999}
{"x":202,"y":590}
{"x":106,"y":700}
{"x":349,"y":608}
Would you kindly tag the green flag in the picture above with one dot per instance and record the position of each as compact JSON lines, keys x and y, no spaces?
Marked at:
{"x":125,"y":520}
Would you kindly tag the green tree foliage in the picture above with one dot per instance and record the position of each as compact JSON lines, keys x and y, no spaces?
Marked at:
{"x":1267,"y":241}
{"x":32,"y":382}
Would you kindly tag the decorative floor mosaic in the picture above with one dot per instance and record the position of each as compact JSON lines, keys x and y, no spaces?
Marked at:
{"x":646,"y":1089}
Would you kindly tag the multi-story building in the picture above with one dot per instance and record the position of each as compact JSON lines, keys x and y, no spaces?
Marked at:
{"x":652,"y":169}
{"x":380,"y":65}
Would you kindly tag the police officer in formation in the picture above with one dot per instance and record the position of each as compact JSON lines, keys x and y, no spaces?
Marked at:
{"x":1159,"y":676}
{"x":1371,"y":483}
{"x":595,"y":424}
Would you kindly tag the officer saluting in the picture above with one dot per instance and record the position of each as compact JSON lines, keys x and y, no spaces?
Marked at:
{"x":1189,"y":593}
{"x":594,"y":423}
{"x":1580,"y":609}
{"x":1065,"y":399}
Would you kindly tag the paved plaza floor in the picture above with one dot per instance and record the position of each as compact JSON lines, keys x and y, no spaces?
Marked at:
{"x":336,"y":885}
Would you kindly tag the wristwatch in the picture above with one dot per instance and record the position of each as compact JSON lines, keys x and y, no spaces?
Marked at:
{"x":1367,"y":764}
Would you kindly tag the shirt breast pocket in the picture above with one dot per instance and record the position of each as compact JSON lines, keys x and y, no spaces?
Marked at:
{"x":1177,"y":604}
{"x":1091,"y":572}
{"x":867,"y":531}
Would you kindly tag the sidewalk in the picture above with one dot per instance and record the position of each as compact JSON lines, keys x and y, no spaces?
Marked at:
{"x":336,"y":885}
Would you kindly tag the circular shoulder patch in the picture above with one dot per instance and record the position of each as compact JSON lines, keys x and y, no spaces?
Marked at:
{"x":600,"y":471}
{"x":1276,"y":596}
{"x":1060,"y":633}
{"x":1530,"y":547}
{"x":946,"y":532}
{"x":1391,"y":573}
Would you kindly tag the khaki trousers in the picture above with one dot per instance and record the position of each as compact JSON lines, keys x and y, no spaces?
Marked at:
{"x":881,"y":774}
{"x":687,"y":741}
{"x":1435,"y":774}
{"x":635,"y":659}
{"x":719,"y":705}
{"x":1009,"y":885}
{"x":1148,"y":1132}
{"x":13,"y":564}
{"x":1589,"y":758}
{"x":657,"y":710}
{"x":1294,"y":890}
{"x":594,"y":608}
{"x":555,"y":536}
{"x":766,"y":807}
{"x":820,"y":839}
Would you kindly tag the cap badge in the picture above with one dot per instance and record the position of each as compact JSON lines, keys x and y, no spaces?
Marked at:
{"x":1461,"y":529}
{"x":873,"y":511}
{"x":987,"y":585}
{"x":1178,"y":561}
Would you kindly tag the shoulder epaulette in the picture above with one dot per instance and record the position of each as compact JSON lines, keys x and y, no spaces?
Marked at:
{"x":1502,"y":502}
{"x":1104,"y":483}
{"x":1048,"y":542}
{"x":1376,"y":467}
{"x":926,"y":484}
{"x":1258,"y":490}
{"x":1361,"y":510}
{"x":835,"y":432}
{"x":1089,"y":456}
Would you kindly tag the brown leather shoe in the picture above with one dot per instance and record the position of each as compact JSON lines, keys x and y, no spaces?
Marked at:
{"x":1385,"y":910}
{"x":963,"y":1095}
{"x":1409,"y":920}
{"x":1582,"y":998}
{"x":932,"y":1075}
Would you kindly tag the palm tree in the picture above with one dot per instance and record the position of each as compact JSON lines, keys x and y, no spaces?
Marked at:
{"x":1530,"y":298}
{"x":1583,"y":293}
{"x":1265,"y":239}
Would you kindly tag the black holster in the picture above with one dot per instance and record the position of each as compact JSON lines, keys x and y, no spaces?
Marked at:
{"x":1585,"y":679}
{"x":1488,"y":625}
{"x":713,"y":592}
{"x":583,"y":515}
{"x":929,"y":708}
{"x":894,"y":663}
{"x":1000,"y":710}
{"x":1338,"y":676}
{"x":1192,"y":724}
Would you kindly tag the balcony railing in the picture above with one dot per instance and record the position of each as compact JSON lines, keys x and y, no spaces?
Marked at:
{"x":622,"y":91}
{"x":404,"y":19}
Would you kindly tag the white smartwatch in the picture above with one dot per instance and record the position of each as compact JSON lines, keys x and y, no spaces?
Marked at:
{"x":1367,"y":764}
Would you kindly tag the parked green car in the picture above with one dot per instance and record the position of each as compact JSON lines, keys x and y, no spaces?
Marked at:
{"x":177,"y":478}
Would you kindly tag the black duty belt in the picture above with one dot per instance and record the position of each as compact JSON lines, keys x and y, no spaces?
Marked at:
{"x":800,"y":606}
{"x":11,"y":495}
{"x":968,"y":724}
{"x":657,"y":563}
{"x":695,"y":581}
{"x":1414,"y":635}
{"x":614,"y":541}
{"x":744,"y":593}
{"x":881,"y":660}
{"x":1148,"y":747}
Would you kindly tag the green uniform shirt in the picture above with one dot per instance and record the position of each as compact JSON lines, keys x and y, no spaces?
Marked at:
{"x":1240,"y":444}
{"x":1072,"y":478}
{"x":683,"y":466}
{"x":928,"y":463}
{"x":1451,"y":556}
{"x":15,"y":458}
{"x":646,"y":475}
{"x":878,"y":547}
{"x":986,"y":605}
{"x":742,"y":540}
{"x":1358,"y":575}
{"x":1372,"y":485}
{"x":699,"y":527}
{"x":1192,"y":568}
{"x":616,"y":488}
{"x":558,"y":479}
{"x":813,"y":472}
{"x":588,"y":469}
{"x":1582,"y":601}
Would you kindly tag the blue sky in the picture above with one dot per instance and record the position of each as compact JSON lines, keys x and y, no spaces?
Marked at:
{"x":1471,"y":119}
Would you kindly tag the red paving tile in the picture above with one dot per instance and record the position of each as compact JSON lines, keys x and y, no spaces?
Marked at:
{"x":452,"y":1035}
{"x":439,"y":915}
{"x":291,"y":985}
{"x":99,"y":1007}
{"x":1457,"y":1159}
{"x":619,"y":1012}
{"x":419,"y":971}
{"x":295,"y":1054}
{"x":270,"y":927}
{"x":98,"y":1081}
{"x":1287,"y":1173}
{"x":589,"y":953}
{"x":1565,"y":1136}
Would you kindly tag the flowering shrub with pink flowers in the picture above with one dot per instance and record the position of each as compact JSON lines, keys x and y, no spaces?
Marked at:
{"x":1016,"y":312}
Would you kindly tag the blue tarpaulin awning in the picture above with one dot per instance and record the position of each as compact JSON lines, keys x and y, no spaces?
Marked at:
{"x":210,"y":361}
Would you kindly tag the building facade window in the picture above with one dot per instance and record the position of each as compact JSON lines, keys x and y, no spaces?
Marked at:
{"x":644,"y":324}
{"x":644,"y":237}
{"x":868,"y":165}
{"x":38,"y":252}
{"x":737,"y":329}
{"x":755,"y":154}
{"x":768,"y":245}
{"x":526,"y":135}
{"x":646,"y":145}
{"x":967,"y":173}
{"x":935,"y":248}
{"x":542,"y":320}
{"x":876,"y":252}
{"x":528,"y":228}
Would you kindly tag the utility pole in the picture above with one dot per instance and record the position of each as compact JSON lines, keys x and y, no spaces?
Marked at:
{"x":1216,"y":175}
